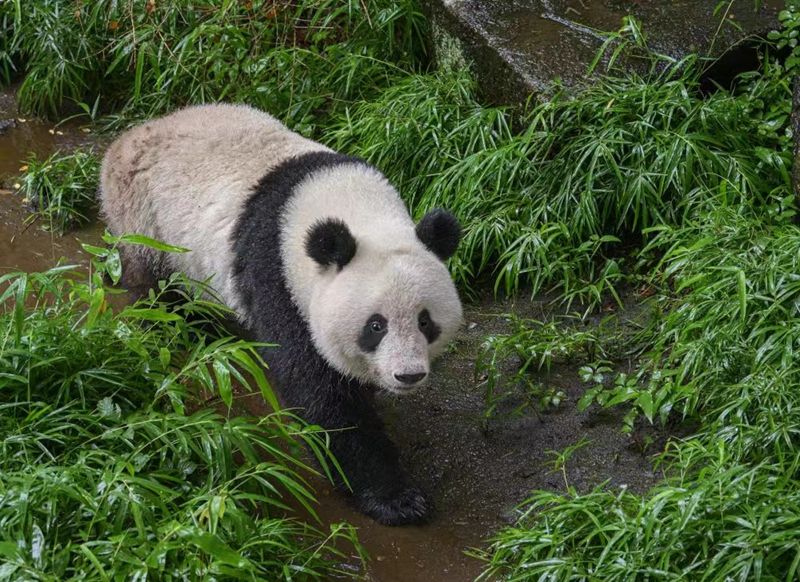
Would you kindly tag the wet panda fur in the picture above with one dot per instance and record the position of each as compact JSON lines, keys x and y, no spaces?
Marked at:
{"x":315,"y":252}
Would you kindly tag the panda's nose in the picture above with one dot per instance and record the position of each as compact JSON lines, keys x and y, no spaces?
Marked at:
{"x":410,"y":378}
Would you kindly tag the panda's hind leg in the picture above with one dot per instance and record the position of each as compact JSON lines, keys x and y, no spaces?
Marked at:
{"x":139,"y":271}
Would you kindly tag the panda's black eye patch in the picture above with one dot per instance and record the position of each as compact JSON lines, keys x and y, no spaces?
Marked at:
{"x":373,"y":332}
{"x":427,"y":326}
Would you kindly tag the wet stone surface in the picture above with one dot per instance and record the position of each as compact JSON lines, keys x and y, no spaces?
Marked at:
{"x":519,"y":47}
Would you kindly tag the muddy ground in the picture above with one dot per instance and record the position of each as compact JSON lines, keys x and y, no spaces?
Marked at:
{"x":476,"y":476}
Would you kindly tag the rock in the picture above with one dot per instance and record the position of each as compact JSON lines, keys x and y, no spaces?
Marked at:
{"x":519,"y":47}
{"x":6,"y":124}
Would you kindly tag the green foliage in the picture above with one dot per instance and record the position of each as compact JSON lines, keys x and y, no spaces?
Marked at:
{"x":788,"y":37}
{"x":7,"y":66}
{"x":727,"y":522}
{"x":111,"y":466}
{"x":61,"y":189}
{"x":297,"y":60}
{"x":721,"y":350}
{"x":537,"y":345}
{"x":545,"y":207}
{"x":724,"y":347}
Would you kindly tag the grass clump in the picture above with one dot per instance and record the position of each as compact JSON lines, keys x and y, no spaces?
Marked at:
{"x":61,"y":189}
{"x":110,"y":465}
{"x":298,"y":60}
{"x":533,"y":346}
{"x":724,"y":346}
{"x":7,"y":68}
{"x":727,"y":521}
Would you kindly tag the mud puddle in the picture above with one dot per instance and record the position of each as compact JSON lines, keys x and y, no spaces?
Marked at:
{"x":25,"y":246}
{"x":20,"y":136}
{"x":29,"y":248}
{"x":475,"y":476}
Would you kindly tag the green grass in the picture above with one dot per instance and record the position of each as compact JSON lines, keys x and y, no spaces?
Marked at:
{"x":725,"y":343}
{"x":61,"y":189}
{"x":536,"y":346}
{"x":7,"y":68}
{"x":727,"y":521}
{"x":113,"y":466}
{"x":299,"y":60}
{"x":544,"y":208}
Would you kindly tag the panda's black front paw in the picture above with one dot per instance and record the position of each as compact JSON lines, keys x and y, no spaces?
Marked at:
{"x":408,"y":506}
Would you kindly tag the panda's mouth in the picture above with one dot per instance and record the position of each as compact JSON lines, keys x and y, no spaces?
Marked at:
{"x":401,"y":389}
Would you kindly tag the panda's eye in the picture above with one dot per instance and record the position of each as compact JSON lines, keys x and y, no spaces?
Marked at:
{"x":427,"y":326}
{"x":373,"y":332}
{"x":424,"y":319}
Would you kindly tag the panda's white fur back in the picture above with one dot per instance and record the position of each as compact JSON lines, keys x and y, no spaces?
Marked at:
{"x":184,"y":179}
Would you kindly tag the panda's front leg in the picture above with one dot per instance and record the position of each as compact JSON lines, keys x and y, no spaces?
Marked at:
{"x":368,"y":458}
{"x":371,"y":462}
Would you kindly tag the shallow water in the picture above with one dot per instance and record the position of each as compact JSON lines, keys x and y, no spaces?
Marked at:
{"x":21,"y":135}
{"x":476,"y":477}
{"x":25,"y":246}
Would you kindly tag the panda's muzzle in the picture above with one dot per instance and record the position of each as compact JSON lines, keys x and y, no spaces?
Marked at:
{"x":410,"y":379}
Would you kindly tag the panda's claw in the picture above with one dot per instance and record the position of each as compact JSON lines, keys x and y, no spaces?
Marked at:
{"x":409,"y":506}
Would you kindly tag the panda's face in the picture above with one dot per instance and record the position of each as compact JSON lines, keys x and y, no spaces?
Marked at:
{"x":385,"y":325}
{"x":383,"y":316}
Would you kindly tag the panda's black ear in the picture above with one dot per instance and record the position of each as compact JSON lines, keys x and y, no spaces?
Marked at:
{"x":440,"y":232}
{"x":330,"y":242}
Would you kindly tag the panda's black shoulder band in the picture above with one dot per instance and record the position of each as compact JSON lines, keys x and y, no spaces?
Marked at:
{"x":277,"y":185}
{"x":256,"y":237}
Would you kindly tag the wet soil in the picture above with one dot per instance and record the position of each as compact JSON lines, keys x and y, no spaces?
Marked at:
{"x":476,"y":476}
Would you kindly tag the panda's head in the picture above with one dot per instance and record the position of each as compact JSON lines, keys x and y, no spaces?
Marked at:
{"x":382,"y":312}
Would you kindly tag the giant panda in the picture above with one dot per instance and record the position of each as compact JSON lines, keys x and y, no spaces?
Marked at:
{"x":315,"y":252}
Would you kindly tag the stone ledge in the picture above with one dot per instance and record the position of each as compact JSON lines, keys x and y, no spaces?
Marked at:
{"x":519,"y":47}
